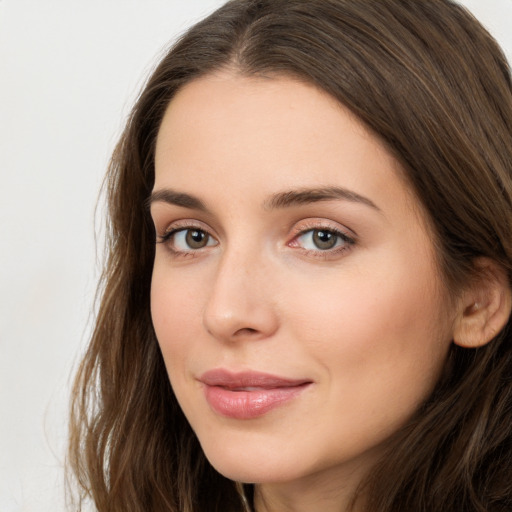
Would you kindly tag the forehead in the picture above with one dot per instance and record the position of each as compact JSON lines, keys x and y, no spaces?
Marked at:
{"x":254,"y":133}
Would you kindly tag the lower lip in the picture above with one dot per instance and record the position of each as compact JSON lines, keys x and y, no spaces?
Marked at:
{"x":246,"y":405}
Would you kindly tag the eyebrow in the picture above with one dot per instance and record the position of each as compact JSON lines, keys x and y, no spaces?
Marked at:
{"x":169,"y":196}
{"x":315,"y":195}
{"x":280,"y":200}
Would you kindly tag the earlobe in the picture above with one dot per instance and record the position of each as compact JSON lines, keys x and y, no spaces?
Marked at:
{"x":485,"y":306}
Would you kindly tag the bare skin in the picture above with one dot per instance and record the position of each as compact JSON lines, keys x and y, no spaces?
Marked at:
{"x":290,"y":245}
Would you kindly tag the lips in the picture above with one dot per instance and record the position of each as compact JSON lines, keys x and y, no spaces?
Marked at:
{"x":248,"y":395}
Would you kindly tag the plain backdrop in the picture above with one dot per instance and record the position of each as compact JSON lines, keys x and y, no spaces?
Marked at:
{"x":69,"y":72}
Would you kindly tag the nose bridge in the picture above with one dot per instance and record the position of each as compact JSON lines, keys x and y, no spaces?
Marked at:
{"x":240,"y":300}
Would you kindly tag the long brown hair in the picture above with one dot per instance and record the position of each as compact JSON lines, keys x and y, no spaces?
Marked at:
{"x":428,"y":80}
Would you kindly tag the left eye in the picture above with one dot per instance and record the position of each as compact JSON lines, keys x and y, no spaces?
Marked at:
{"x":322,"y":239}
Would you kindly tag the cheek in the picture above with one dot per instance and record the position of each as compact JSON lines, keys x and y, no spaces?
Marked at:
{"x":380,"y":336}
{"x":176,"y":313}
{"x":371,"y":302}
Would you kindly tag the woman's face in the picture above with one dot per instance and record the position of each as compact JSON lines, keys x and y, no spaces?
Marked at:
{"x":295,"y":294}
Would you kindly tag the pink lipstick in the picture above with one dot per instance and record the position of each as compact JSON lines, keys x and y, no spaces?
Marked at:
{"x":248,"y":395}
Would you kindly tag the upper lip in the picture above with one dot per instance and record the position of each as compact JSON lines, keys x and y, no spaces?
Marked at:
{"x":248,"y":379}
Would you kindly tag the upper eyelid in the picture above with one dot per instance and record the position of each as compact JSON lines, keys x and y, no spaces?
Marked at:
{"x":338,"y":232}
{"x":298,"y":227}
{"x":182,"y":224}
{"x":312,"y":224}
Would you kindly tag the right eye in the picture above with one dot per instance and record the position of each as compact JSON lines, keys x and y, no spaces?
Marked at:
{"x":187,"y":240}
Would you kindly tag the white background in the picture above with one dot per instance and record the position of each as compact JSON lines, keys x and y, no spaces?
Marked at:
{"x":69,"y":72}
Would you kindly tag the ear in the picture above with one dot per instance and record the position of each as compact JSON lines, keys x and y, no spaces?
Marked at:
{"x":484,"y":306}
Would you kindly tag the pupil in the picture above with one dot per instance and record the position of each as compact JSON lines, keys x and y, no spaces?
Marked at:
{"x":324,"y":239}
{"x":196,"y":239}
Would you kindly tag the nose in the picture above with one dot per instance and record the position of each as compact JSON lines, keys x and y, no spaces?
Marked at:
{"x":241,"y":303}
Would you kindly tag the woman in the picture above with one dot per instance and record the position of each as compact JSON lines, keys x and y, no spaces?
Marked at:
{"x":307,"y":295}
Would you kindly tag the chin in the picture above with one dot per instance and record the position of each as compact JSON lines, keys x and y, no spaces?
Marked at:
{"x":252,"y":464}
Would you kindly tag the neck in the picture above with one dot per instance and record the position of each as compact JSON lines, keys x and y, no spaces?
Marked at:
{"x":310,"y":494}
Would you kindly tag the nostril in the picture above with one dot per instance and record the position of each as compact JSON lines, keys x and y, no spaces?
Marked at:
{"x":246,"y":331}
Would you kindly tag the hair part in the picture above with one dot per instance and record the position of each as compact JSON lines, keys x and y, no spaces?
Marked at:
{"x":433,"y":85}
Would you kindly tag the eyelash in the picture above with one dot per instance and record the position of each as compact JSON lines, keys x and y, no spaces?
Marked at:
{"x":346,"y":240}
{"x":167,"y":237}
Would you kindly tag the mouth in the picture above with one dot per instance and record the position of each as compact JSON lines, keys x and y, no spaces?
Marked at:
{"x":248,"y":395}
